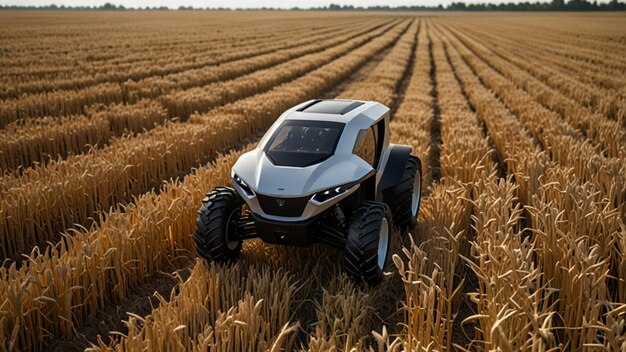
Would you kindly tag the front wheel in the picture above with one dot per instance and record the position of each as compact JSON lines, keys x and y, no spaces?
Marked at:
{"x":368,"y":242}
{"x":216,"y":228}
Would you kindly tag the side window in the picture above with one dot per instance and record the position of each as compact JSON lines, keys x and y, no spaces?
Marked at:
{"x":365,"y":146}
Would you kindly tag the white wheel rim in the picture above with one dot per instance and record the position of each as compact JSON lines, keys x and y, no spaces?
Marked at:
{"x":417,"y":193}
{"x":383,"y":242}
{"x":230,"y":243}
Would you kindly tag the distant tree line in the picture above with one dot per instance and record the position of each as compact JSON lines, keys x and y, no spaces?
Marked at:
{"x":106,"y":7}
{"x":554,"y":5}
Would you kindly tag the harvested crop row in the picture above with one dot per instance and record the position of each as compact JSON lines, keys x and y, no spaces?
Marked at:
{"x":265,"y":105}
{"x":501,"y":129}
{"x":175,"y":59}
{"x":512,"y":306}
{"x":62,"y":103}
{"x":340,"y":296}
{"x":202,"y":99}
{"x":412,"y":120}
{"x":607,"y":102}
{"x":144,"y":235}
{"x":383,"y":81}
{"x":586,"y":50}
{"x":465,"y":152}
{"x":571,"y":47}
{"x":607,"y":133}
{"x":106,"y":58}
{"x":432,"y":290}
{"x":74,"y":101}
{"x":242,"y":307}
{"x":496,"y":247}
{"x":112,"y":49}
{"x":176,"y":83}
{"x":607,"y":174}
{"x":580,"y":281}
{"x":600,"y":33}
{"x":595,"y":77}
{"x":73,"y":190}
{"x":215,"y":73}
{"x":37,"y":141}
{"x":150,"y":231}
{"x":590,"y":73}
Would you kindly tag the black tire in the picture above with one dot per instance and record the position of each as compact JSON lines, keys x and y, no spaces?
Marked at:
{"x":213,"y":229}
{"x":361,"y":260}
{"x":400,"y":197}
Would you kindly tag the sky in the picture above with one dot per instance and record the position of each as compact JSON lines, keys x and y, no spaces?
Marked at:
{"x":250,"y":3}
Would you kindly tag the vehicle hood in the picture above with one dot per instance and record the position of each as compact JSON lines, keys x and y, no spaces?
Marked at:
{"x":260,"y":174}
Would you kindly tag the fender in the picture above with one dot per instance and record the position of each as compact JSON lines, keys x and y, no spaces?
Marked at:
{"x":394,"y":168}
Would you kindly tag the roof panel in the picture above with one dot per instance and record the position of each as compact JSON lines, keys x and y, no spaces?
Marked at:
{"x":338,"y":107}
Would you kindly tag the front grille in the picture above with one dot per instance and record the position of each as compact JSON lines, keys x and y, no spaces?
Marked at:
{"x":276,"y":206}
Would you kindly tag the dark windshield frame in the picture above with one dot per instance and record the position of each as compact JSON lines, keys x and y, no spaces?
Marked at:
{"x":297,"y":159}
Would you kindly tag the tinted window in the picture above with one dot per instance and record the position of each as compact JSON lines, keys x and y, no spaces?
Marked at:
{"x":365,"y":146}
{"x":303,"y":143}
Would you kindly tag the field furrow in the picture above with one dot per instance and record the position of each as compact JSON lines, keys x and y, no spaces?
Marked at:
{"x":558,"y":137}
{"x":430,"y":261}
{"x":594,"y":75}
{"x":412,"y":121}
{"x":570,"y":47}
{"x":577,"y":289}
{"x":201,"y":99}
{"x":74,"y":101}
{"x":552,"y":92}
{"x":498,"y":250}
{"x":221,"y":50}
{"x":108,"y":59}
{"x":34,"y":142}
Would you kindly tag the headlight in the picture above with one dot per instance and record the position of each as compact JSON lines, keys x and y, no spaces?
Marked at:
{"x":243,"y":185}
{"x":323,"y":196}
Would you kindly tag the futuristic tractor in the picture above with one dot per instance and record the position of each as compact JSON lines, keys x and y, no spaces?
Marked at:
{"x":324,"y":172}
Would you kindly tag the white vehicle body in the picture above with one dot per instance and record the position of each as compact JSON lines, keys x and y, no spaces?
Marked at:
{"x":283,"y":184}
{"x":324,"y":173}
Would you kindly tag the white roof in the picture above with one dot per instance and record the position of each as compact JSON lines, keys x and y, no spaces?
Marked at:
{"x":370,"y":109}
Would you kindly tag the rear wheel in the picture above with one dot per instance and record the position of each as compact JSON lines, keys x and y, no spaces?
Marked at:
{"x":216,"y":235}
{"x":404,"y":198}
{"x":368,"y":242}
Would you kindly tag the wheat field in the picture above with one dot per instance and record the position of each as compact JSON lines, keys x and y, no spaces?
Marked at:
{"x":114,"y":125}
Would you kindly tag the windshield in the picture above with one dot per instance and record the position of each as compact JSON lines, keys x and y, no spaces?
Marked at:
{"x":303,"y":143}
